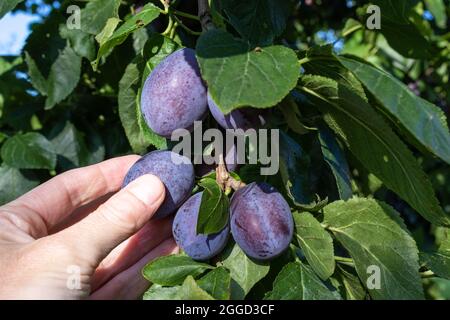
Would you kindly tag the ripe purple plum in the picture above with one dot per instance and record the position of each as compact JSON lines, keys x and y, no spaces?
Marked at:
{"x":261,"y":221}
{"x":174,"y":95}
{"x":244,"y":118}
{"x":197,"y":246}
{"x":176,"y":173}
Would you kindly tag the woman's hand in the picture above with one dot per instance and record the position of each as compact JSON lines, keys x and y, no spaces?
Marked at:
{"x":77,"y":236}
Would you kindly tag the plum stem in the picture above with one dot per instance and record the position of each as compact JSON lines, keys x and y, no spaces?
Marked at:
{"x":345,"y":261}
{"x":166,"y":6}
{"x":204,"y":14}
{"x":169,"y":27}
{"x":185,"y":14}
{"x":174,"y":21}
{"x":188,"y":30}
{"x":225,"y":180}
{"x":172,"y":32}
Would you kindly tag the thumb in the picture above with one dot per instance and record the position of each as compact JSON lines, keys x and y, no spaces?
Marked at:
{"x":116,"y":220}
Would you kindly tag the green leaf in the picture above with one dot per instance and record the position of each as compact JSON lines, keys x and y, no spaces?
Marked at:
{"x":96,"y":13}
{"x":140,"y":38}
{"x":374,"y":235}
{"x":335,"y":158}
{"x":399,"y":31}
{"x":70,"y":146}
{"x":155,"y":50}
{"x":129,"y":106}
{"x":351,"y":25}
{"x":66,"y":143}
{"x":81,"y":42}
{"x":444,"y":241}
{"x":292,"y":116}
{"x":438,"y":10}
{"x":108,"y":30}
{"x":148,"y":13}
{"x":294,"y":169}
{"x":297,"y":281}
{"x":214,"y":209}
{"x":352,"y":287}
{"x":314,"y":206}
{"x":216,"y":283}
{"x":439,"y":261}
{"x":93,"y":149}
{"x":37,"y":79}
{"x":29,"y":151}
{"x":374,"y":143}
{"x":191,"y":291}
{"x":239,"y":77}
{"x":316,"y":244}
{"x":14,"y":183}
{"x":137,"y":132}
{"x":438,"y":288}
{"x":157,"y":292}
{"x":8,"y":5}
{"x":258,"y":21}
{"x":321,"y":61}
{"x":7,"y":63}
{"x":47,"y":31}
{"x":172,"y":270}
{"x":421,"y":120}
{"x":244,"y":271}
{"x":63,"y":77}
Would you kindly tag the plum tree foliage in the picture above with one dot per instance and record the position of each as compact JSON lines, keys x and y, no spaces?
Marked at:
{"x":364,"y":175}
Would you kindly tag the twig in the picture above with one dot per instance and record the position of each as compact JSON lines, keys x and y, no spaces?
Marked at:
{"x":172,"y":32}
{"x":188,"y":30}
{"x":166,"y":5}
{"x":225,"y":180}
{"x":169,"y":27}
{"x":184,"y":14}
{"x":204,"y":15}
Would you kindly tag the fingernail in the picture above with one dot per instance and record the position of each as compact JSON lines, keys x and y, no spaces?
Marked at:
{"x":147,"y":188}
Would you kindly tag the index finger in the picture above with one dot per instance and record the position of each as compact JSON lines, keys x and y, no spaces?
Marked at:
{"x":57,"y":198}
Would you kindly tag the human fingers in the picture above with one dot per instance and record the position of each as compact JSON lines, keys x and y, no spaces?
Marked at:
{"x":125,"y":213}
{"x":130,"y":284}
{"x":80,"y":213}
{"x":132,"y":250}
{"x":57,"y":198}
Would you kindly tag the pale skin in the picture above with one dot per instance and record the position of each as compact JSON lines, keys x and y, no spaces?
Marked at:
{"x":81,"y":220}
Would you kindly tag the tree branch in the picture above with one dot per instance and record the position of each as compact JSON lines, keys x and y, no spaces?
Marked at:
{"x":225,"y":180}
{"x":204,"y":14}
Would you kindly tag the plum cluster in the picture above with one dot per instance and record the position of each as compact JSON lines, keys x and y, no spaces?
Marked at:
{"x":174,"y":96}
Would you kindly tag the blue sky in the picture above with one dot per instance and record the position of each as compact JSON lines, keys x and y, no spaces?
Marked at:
{"x":15,"y":28}
{"x":14,"y":31}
